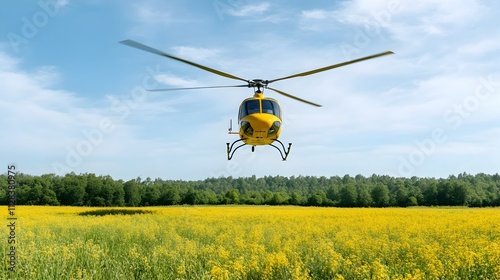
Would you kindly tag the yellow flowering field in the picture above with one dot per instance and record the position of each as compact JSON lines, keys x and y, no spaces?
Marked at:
{"x":260,"y":242}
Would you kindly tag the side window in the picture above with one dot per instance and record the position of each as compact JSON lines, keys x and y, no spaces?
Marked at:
{"x":277,"y":111}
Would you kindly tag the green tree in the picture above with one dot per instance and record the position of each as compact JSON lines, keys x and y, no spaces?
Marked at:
{"x":430,"y":193}
{"x":4,"y":186}
{"x":445,"y":193}
{"x":348,"y":196}
{"x":461,"y":193}
{"x":318,"y":199}
{"x":113,"y":192}
{"x":296,"y":198}
{"x":401,"y":196}
{"x":171,"y":195}
{"x":279,"y":198}
{"x":151,"y":195}
{"x":132,"y":193}
{"x":210,"y":197}
{"x":93,"y":191}
{"x":364,"y":196}
{"x":33,"y":194}
{"x":192,"y":197}
{"x":381,"y":195}
{"x":252,"y":197}
{"x":333,"y":193}
{"x":232,"y":196}
{"x":72,"y":190}
{"x":412,"y":201}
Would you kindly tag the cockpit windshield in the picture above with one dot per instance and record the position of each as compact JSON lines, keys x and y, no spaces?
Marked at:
{"x":253,"y":106}
{"x":250,"y":107}
{"x":271,"y":107}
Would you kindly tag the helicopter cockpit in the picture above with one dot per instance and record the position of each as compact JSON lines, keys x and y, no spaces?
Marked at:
{"x":253,"y":106}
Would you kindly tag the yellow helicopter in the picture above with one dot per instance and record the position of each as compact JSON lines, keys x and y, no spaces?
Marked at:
{"x":259,"y":117}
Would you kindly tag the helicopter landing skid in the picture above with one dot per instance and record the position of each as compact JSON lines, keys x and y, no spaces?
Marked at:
{"x":283,"y":151}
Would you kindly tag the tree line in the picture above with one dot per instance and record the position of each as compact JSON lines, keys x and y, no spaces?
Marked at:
{"x":480,"y":190}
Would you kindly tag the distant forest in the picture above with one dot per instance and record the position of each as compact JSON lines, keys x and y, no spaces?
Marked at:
{"x":478,"y":190}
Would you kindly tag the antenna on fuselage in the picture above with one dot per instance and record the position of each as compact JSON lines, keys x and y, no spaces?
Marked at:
{"x":231,"y":127}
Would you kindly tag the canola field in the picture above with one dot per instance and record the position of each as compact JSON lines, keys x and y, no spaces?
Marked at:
{"x":244,"y":242}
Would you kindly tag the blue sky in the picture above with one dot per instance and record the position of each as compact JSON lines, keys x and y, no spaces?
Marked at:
{"x":72,"y":98}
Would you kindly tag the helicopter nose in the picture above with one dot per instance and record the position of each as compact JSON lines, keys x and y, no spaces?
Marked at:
{"x":263,"y":126}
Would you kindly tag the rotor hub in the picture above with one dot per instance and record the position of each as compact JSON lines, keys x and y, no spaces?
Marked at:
{"x":258,"y":83}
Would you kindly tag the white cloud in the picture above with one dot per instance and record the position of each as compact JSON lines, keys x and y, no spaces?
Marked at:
{"x":172,"y":80}
{"x":195,"y":54}
{"x":404,"y":20}
{"x":6,"y":62}
{"x":319,"y":20}
{"x":316,"y":14}
{"x":46,"y":125}
{"x":482,"y":47}
{"x":151,"y":15}
{"x":38,"y":120}
{"x":249,"y":10}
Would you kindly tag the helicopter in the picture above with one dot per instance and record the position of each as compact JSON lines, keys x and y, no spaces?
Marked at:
{"x":259,"y":117}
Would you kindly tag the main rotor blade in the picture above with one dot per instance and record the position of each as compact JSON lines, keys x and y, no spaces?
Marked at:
{"x":332,"y":66}
{"x":140,"y":46}
{"x":170,"y":89}
{"x":294,"y":97}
